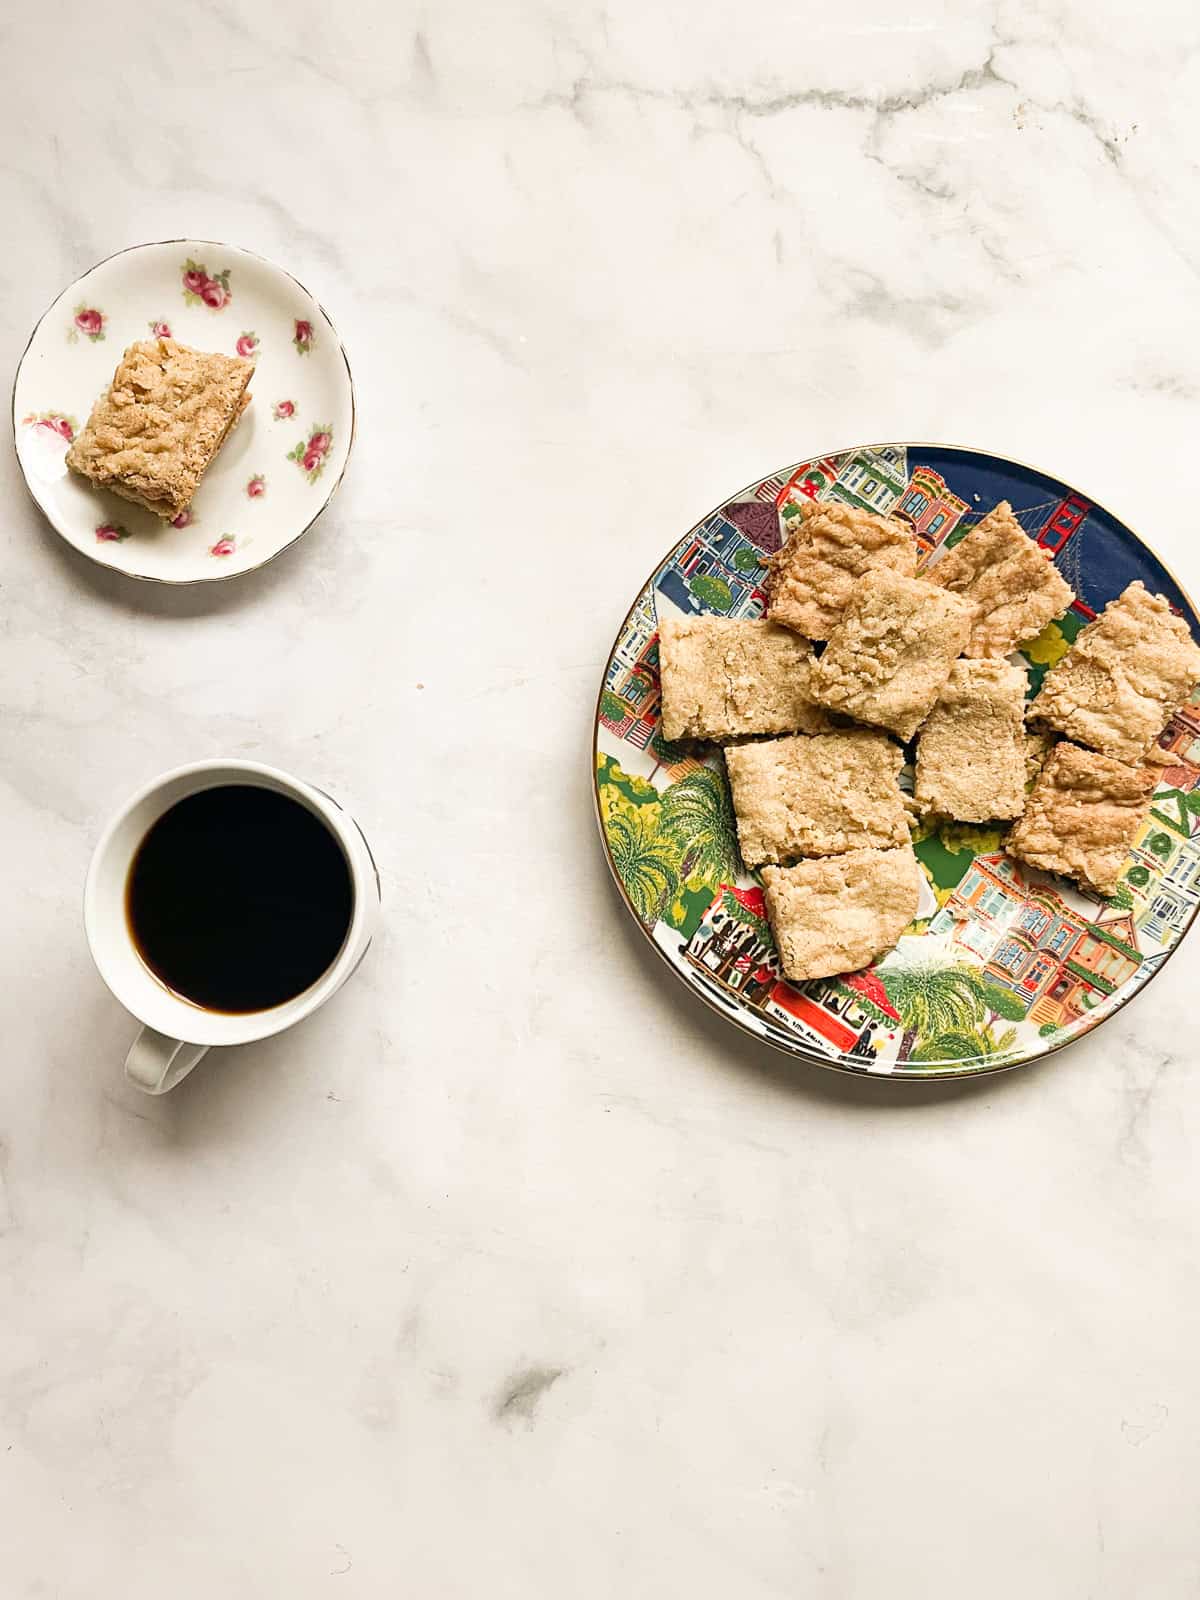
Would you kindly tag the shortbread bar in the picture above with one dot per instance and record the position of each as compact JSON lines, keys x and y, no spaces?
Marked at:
{"x":1009,"y":581}
{"x":1082,"y":816}
{"x":889,"y":656}
{"x":971,"y":749}
{"x":1123,"y":678}
{"x":816,"y":796}
{"x":837,"y":914}
{"x":725,"y":678}
{"x":163,"y":418}
{"x":808,"y":582}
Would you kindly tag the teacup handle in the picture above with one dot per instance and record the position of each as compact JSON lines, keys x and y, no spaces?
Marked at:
{"x":156,"y":1063}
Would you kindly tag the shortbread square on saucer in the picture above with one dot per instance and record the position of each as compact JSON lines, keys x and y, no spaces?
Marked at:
{"x":155,"y":431}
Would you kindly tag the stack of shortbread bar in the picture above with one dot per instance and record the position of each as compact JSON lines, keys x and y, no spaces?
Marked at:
{"x":819,"y":807}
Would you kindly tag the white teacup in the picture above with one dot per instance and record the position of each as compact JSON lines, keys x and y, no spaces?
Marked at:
{"x":176,"y":1033}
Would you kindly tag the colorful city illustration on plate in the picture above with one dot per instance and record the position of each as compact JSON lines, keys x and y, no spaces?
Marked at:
{"x":1003,"y":963}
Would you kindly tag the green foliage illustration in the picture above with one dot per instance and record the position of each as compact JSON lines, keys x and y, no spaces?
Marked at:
{"x":734,"y":908}
{"x":698,"y":815}
{"x":712,"y":592}
{"x":612,"y":707}
{"x":667,"y":752}
{"x":645,"y":861}
{"x":949,"y":1011}
{"x":674,"y":848}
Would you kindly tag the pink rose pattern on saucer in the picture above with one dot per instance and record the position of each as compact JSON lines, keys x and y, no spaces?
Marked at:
{"x":310,"y":453}
{"x":88,"y":321}
{"x":247,"y":345}
{"x":302,"y":338}
{"x":225,"y":546}
{"x":56,"y":424}
{"x":160,"y":329}
{"x":111,"y":533}
{"x":201,"y":288}
{"x":257,"y":487}
{"x":186,"y":519}
{"x":283,"y":409}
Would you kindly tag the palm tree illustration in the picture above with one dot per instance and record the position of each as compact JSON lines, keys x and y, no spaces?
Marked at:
{"x":646,"y":860}
{"x":963,"y":1044}
{"x":934,"y":1000}
{"x":949,"y":1011}
{"x":698,"y":817}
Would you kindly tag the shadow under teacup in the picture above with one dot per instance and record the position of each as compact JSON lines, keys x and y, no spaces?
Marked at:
{"x":224,"y":902}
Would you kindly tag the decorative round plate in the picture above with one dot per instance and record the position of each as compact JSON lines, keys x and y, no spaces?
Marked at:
{"x":279,"y":467}
{"x":1003,"y":964}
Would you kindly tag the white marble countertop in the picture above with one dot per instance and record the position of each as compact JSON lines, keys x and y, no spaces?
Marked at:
{"x":514,"y":1272}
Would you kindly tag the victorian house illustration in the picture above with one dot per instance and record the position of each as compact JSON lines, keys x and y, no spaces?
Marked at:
{"x":1056,"y":962}
{"x":733,"y":943}
{"x":874,"y":479}
{"x":1163,"y":875}
{"x":812,"y":482}
{"x":632,"y":682}
{"x":733,"y":946}
{"x":851,"y":1014}
{"x":719,"y":569}
{"x":933,"y":509}
{"x":1181,"y":739}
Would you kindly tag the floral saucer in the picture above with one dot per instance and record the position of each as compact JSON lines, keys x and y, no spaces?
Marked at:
{"x":279,"y":467}
{"x":1002,"y":964}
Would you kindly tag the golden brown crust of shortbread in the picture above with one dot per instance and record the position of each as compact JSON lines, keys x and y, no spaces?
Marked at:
{"x":1082,"y":816}
{"x":971,"y":748}
{"x":1038,"y":746}
{"x":837,"y":914}
{"x":1010,"y":582}
{"x":727,"y":678}
{"x":163,"y":418}
{"x":816,"y":796}
{"x":1123,"y":678}
{"x":808,"y":582}
{"x":889,"y":656}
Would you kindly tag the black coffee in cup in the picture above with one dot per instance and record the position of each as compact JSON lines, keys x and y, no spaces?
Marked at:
{"x":238,"y":898}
